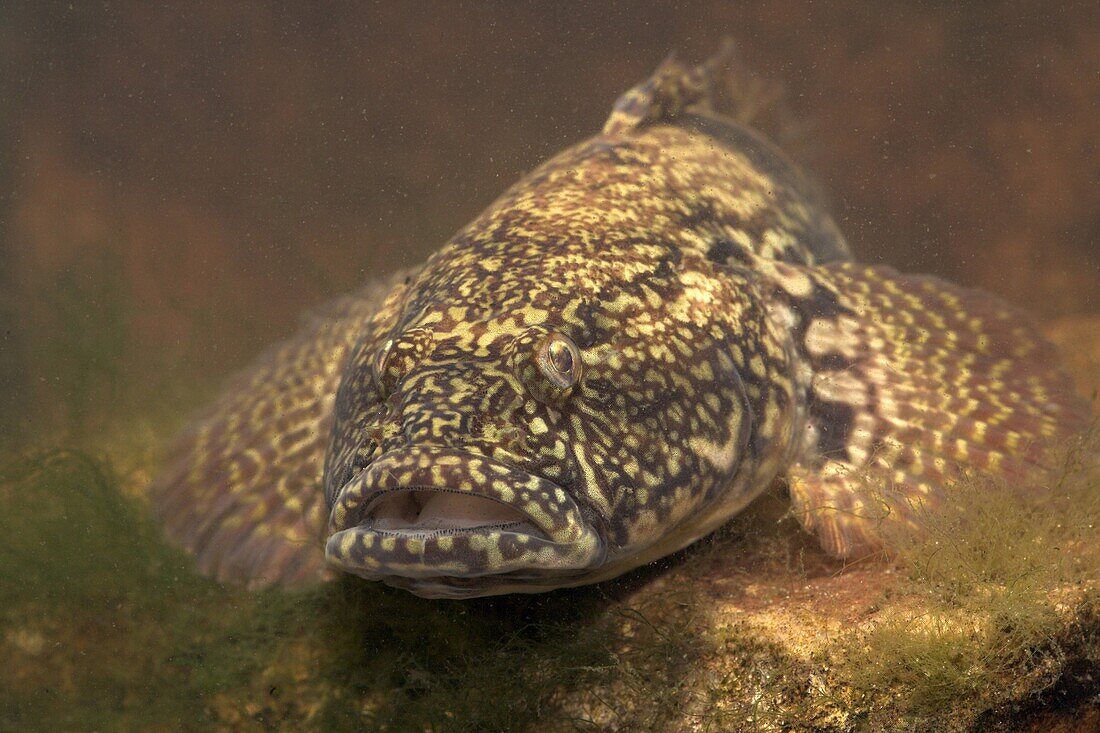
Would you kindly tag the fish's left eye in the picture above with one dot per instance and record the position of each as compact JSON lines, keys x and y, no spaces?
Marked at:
{"x":560,"y":361}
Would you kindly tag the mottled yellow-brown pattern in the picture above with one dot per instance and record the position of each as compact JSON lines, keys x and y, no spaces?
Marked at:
{"x":618,"y":355}
{"x":241,"y":488}
{"x":915,"y":382}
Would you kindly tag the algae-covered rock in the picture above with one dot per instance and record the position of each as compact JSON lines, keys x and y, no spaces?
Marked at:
{"x":991,"y":623}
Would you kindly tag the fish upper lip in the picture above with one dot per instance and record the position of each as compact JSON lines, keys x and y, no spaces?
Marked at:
{"x":426,"y":469}
{"x":564,"y":543}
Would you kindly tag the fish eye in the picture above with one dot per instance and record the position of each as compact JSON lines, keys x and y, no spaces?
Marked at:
{"x":560,"y":361}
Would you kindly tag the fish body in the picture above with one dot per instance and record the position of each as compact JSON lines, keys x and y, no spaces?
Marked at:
{"x":623,"y":351}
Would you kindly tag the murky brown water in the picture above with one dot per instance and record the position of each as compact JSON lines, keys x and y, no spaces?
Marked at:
{"x":179,"y":186}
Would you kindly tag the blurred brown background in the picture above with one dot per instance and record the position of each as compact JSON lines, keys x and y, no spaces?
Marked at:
{"x":178,"y":185}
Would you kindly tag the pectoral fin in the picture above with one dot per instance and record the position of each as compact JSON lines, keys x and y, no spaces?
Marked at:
{"x":914,"y":382}
{"x":241,"y":489}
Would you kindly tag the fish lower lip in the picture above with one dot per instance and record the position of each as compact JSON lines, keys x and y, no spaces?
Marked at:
{"x":424,"y":512}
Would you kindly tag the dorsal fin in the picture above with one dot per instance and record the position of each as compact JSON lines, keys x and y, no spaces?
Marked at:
{"x":676,"y":89}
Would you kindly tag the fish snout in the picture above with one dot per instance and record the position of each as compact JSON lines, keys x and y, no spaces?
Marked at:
{"x":437,"y":513}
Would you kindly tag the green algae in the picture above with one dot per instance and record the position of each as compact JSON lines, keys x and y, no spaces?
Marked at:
{"x":995,"y":570}
{"x":88,"y":596}
{"x":107,"y":628}
{"x":104,"y":627}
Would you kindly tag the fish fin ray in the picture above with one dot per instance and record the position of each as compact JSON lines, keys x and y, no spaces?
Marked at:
{"x":241,"y":488}
{"x":719,"y":87}
{"x":914,"y":382}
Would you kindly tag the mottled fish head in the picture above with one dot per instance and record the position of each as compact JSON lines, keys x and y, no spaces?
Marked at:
{"x":538,"y":448}
{"x":521,"y":417}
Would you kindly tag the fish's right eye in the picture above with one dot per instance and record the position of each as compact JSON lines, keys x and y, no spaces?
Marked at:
{"x":559,"y":360}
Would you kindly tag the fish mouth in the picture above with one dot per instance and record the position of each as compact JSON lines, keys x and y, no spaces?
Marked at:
{"x":433,"y":514}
